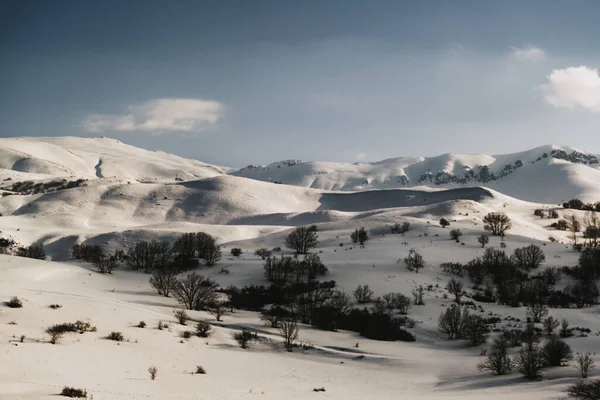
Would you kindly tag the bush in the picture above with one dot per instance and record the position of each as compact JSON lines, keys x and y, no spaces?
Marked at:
{"x":68,"y":391}
{"x":497,"y":361}
{"x":497,"y":223}
{"x":200,"y":370}
{"x":475,"y":331}
{"x":301,"y":240}
{"x":142,"y":324}
{"x":243,"y":338}
{"x":218,"y":309}
{"x":444,"y":222}
{"x":529,"y":362}
{"x":450,"y":268}
{"x":236,"y":252}
{"x":14,"y":302}
{"x":187,"y":334}
{"x":203,"y":329}
{"x":455,"y":234}
{"x":181,"y":316}
{"x":582,"y":390}
{"x":106,"y":264}
{"x":397,"y":301}
{"x":363,"y":294}
{"x":414,"y":261}
{"x":55,"y":306}
{"x":153,"y":371}
{"x":116,"y":336}
{"x":556,"y":352}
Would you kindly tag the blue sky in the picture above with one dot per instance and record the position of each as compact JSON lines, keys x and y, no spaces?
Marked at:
{"x":240,"y":82}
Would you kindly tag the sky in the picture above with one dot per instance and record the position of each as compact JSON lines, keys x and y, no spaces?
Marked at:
{"x":251,"y":82}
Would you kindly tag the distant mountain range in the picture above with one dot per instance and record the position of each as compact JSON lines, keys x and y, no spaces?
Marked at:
{"x":546,"y":174}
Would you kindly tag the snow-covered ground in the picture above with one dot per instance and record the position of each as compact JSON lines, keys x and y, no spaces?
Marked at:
{"x":132,"y":194}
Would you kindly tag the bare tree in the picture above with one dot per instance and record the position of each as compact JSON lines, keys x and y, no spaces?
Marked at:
{"x":203,"y":241}
{"x":363,"y":294}
{"x":149,"y":255}
{"x":483,"y":240}
{"x":106,"y":264}
{"x":536,"y":311}
{"x":163,"y":281}
{"x":456,"y":289}
{"x":218,"y":309}
{"x":186,"y":246}
{"x":550,"y":324}
{"x":195,"y":291}
{"x":262,"y":253}
{"x":574,"y":226}
{"x":452,"y":321}
{"x":212,"y":254}
{"x":418,"y":296}
{"x":585,"y":363}
{"x":497,"y":223}
{"x":302,"y":240}
{"x":289,"y":330}
{"x":529,"y":362}
{"x":528,"y":258}
{"x":497,"y":361}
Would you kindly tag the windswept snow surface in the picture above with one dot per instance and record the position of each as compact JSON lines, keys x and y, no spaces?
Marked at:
{"x":132,"y":194}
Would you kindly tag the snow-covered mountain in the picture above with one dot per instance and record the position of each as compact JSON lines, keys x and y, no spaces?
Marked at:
{"x":548,"y":174}
{"x":49,"y":157}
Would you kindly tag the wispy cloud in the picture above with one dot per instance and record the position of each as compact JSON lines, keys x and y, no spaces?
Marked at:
{"x":159,"y":116}
{"x":529,"y":53}
{"x":573,"y":87}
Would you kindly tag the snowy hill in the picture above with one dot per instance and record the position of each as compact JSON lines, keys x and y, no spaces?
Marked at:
{"x":549,"y":174}
{"x":49,"y":157}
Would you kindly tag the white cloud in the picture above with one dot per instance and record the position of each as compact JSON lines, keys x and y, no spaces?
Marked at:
{"x":159,"y":116}
{"x":573,"y":87}
{"x":361,"y":156}
{"x":529,"y":53}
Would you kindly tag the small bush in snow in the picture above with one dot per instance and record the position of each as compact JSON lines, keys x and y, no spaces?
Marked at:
{"x":236,"y":252}
{"x":68,"y":391}
{"x":181,"y":316}
{"x":153,"y":371}
{"x":14,"y":302}
{"x":200,"y":370}
{"x":116,"y":336}
{"x":203,"y":329}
